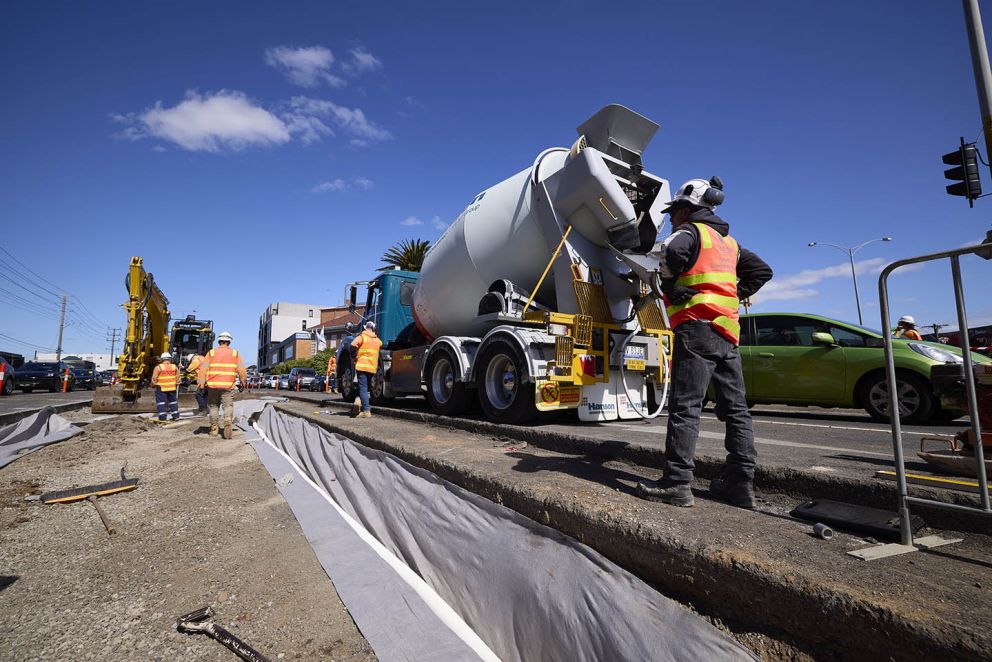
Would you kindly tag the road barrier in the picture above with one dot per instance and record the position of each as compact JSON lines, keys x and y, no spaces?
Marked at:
{"x":3,"y":375}
{"x":327,"y":383}
{"x":65,"y":381}
{"x":983,"y":250}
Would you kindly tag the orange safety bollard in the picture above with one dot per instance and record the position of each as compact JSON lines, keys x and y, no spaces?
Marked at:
{"x":327,"y":383}
{"x":3,"y":375}
{"x":298,"y":380}
{"x":65,"y":381}
{"x":277,"y":382}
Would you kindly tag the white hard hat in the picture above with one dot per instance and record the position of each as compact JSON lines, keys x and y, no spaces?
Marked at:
{"x":166,"y":355}
{"x":370,"y":325}
{"x":699,"y":192}
{"x":225,"y":336}
{"x":907,"y":319}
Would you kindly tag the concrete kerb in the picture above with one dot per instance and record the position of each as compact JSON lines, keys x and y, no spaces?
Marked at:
{"x":698,"y":574}
{"x":797,"y":483}
{"x":14,"y":416}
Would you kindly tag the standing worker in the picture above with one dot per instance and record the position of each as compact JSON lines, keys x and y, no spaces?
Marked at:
{"x":906,"y":328}
{"x":705,"y":275}
{"x":221,"y":369}
{"x":332,"y":366}
{"x":165,"y":379}
{"x":366,"y":349}
{"x":193,"y":369}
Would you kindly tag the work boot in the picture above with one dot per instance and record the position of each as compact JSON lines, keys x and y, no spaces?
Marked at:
{"x":365,"y":414}
{"x":214,"y":430}
{"x":735,"y":490}
{"x":666,"y":491}
{"x":228,"y":432}
{"x":356,"y":407}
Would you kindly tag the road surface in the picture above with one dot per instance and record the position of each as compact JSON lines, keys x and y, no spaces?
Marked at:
{"x":19,"y":402}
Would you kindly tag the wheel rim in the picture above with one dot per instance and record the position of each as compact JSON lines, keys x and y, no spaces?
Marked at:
{"x":347,"y":380}
{"x":501,"y":381}
{"x":377,"y":385}
{"x":909,"y":398}
{"x":442,"y":380}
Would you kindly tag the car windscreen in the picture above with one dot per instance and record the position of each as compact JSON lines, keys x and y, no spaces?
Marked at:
{"x":307,"y":372}
{"x":39,"y":366}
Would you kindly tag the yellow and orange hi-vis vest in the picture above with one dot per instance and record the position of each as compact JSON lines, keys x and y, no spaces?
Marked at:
{"x":714,"y":277}
{"x":223,"y":369}
{"x":168,"y":377}
{"x":332,"y":363}
{"x":368,"y":345}
{"x":194,"y":364}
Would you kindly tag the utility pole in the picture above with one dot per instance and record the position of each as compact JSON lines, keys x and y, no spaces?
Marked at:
{"x":980,"y":62}
{"x":58,"y":350}
{"x":113,"y":341}
{"x":936,"y":329}
{"x":851,"y":250}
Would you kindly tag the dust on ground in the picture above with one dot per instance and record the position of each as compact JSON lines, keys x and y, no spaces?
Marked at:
{"x":206,"y":526}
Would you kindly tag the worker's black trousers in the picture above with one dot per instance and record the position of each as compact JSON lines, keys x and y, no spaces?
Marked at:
{"x":702,"y":355}
{"x":167,"y":402}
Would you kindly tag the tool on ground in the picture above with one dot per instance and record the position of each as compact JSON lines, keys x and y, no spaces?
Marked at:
{"x":822,"y":531}
{"x":103,"y":515}
{"x":852,"y":517}
{"x":91,"y":493}
{"x":199,"y":622}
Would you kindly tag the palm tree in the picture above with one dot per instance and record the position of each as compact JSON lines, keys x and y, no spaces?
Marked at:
{"x":407,"y":255}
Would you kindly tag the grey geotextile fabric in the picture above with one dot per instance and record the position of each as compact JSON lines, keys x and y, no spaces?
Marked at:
{"x":40,"y":429}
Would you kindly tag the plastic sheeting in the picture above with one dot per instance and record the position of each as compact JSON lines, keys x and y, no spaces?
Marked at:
{"x":530,"y":592}
{"x":31,"y":433}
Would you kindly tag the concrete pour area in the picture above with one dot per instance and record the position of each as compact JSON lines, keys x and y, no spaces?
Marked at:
{"x":783,"y":592}
{"x":205,"y":526}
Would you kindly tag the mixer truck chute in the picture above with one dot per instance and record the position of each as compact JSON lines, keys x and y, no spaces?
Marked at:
{"x":543,"y":294}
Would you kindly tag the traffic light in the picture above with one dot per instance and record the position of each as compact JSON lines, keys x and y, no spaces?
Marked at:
{"x":965,"y":175}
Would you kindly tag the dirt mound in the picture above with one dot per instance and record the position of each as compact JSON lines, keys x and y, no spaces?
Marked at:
{"x":125,"y":426}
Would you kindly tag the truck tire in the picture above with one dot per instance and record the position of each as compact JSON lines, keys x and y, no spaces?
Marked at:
{"x":346,"y":382}
{"x":446,"y":395}
{"x":916,"y":400}
{"x":502,"y":394}
{"x":377,"y":388}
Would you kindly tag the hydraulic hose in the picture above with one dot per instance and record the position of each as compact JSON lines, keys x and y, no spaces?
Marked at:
{"x":665,"y":377}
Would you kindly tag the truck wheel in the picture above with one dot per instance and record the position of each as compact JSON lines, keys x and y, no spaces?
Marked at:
{"x":346,"y":381}
{"x":377,"y":387}
{"x":504,"y":397}
{"x":445,"y":394}
{"x":915,"y":398}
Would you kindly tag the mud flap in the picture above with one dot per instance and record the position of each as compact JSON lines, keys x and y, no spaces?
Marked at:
{"x":628,"y":404}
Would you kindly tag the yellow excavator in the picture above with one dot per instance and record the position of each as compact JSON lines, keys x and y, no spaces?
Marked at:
{"x":147,"y":337}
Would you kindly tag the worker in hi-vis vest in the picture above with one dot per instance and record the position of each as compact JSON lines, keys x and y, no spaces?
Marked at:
{"x":165,"y":379}
{"x":193,"y":368}
{"x":365,"y":348}
{"x":906,"y":328}
{"x":332,"y":367}
{"x":704,"y":276}
{"x":222,"y":367}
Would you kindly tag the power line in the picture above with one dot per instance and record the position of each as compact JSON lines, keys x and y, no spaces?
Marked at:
{"x":89,"y":312}
{"x":20,"y":306}
{"x":29,"y":291}
{"x":28,"y":302}
{"x":62,"y":289}
{"x":25,"y":343}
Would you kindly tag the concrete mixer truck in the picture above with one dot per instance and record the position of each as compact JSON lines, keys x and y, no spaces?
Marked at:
{"x":542,"y":295}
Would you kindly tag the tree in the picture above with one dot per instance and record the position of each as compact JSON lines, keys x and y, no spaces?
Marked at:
{"x":407,"y":255}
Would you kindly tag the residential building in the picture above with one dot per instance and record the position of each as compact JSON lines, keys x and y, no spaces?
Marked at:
{"x":102,"y":361}
{"x":330,"y":331}
{"x":298,"y":345}
{"x":280,"y":321}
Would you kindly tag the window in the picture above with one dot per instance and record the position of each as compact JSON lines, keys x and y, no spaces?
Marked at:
{"x":304,"y":325}
{"x":848,"y":338}
{"x":406,"y":293}
{"x":786,"y":331}
{"x":311,"y":313}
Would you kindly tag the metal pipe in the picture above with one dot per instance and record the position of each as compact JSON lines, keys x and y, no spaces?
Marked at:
{"x":905,"y":529}
{"x":969,"y":380}
{"x":980,"y":62}
{"x":948,"y":506}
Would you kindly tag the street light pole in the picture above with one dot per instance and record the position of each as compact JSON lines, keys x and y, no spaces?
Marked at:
{"x":851,"y":250}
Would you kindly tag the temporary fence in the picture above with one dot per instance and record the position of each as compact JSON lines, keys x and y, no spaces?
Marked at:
{"x":983,"y":250}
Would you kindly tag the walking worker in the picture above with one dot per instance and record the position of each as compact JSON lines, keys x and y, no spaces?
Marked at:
{"x":365,"y":347}
{"x":222,"y":366}
{"x":332,"y":366}
{"x":193,"y":369}
{"x":705,"y":275}
{"x":906,"y":328}
{"x":165,"y":379}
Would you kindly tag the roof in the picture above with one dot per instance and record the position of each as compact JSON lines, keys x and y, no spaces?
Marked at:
{"x":340,"y":319}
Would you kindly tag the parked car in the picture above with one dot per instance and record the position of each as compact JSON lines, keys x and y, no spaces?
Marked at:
{"x":106,"y":377}
{"x":283,"y":381}
{"x":271,"y":381}
{"x":803,"y":359}
{"x":301,"y":378}
{"x":86,"y":378}
{"x":9,"y":376}
{"x":43,"y":374}
{"x":319,"y":383}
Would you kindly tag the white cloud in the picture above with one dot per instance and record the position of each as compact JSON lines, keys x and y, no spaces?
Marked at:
{"x":225,"y":120}
{"x":438,"y":223}
{"x":411,"y":221}
{"x":339,"y":184}
{"x":306,"y":67}
{"x":361,"y":62}
{"x":330,"y":185}
{"x":797,"y":286}
{"x":310,"y":116}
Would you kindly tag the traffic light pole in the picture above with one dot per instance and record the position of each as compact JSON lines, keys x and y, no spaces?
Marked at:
{"x":980,"y":62}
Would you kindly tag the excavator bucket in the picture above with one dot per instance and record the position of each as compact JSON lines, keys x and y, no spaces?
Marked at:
{"x":111,"y":400}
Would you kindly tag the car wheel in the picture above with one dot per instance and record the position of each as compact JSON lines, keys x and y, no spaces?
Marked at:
{"x":26,"y":390}
{"x":504,"y":397}
{"x":915,"y":399}
{"x":445,"y":394}
{"x":8,"y":387}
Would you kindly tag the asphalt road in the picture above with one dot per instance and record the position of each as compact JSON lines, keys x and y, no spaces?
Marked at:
{"x":842,"y":442}
{"x":18,"y":401}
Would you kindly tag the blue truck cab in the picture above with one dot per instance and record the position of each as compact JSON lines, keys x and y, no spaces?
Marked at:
{"x":389,"y":303}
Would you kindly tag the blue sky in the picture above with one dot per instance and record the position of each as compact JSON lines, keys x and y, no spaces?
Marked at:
{"x":257,"y":152}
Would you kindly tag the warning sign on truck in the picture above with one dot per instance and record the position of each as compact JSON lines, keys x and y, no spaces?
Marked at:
{"x":552,"y":395}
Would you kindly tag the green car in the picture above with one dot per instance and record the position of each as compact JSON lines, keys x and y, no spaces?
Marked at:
{"x":802,"y":359}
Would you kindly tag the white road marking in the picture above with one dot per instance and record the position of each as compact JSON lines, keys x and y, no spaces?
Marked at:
{"x":770,"y":442}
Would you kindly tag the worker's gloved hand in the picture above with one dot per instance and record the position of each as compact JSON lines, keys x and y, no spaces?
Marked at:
{"x":241,"y":388}
{"x":680,"y":294}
